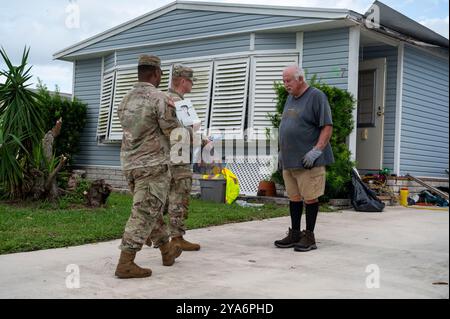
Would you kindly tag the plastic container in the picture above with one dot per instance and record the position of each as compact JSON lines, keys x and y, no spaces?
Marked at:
{"x":404,"y":193}
{"x":213,"y":190}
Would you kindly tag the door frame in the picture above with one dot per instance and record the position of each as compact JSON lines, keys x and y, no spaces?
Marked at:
{"x":377,"y":64}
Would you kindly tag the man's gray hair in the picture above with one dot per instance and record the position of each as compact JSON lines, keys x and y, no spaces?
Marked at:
{"x":296,"y":71}
{"x":299,"y":72}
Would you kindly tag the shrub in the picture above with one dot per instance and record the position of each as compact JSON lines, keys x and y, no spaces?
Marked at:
{"x":73,"y":114}
{"x":342,"y":104}
{"x":78,"y":197}
{"x":21,"y":126}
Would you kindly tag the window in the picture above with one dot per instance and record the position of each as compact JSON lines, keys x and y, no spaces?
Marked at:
{"x":229,"y":100}
{"x":105,"y":105}
{"x":265,"y":71}
{"x":115,"y":86}
{"x":366,"y":98}
{"x":221,"y":94}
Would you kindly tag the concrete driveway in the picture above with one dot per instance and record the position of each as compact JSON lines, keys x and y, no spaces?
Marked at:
{"x":407,"y":248}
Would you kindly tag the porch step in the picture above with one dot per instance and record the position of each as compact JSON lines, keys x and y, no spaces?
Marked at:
{"x":388,"y":200}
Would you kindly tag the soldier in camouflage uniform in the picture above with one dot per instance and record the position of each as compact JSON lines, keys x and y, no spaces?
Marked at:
{"x":181,"y":183}
{"x":148,"y":117}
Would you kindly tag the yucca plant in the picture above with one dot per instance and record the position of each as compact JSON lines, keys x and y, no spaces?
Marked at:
{"x":21,"y":125}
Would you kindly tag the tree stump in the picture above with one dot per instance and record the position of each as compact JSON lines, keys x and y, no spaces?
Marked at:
{"x":98,"y":193}
{"x":74,"y":179}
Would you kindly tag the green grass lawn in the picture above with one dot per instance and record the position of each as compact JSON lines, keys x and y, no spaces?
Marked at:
{"x":34,"y":226}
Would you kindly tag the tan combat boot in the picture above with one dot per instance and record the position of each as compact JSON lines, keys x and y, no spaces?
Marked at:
{"x":128,"y":269}
{"x":185,"y":245}
{"x":169,"y":252}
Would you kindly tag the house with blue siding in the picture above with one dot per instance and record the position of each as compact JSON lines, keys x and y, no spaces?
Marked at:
{"x":397,"y":68}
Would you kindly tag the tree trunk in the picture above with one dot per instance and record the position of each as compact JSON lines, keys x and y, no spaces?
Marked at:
{"x":98,"y":193}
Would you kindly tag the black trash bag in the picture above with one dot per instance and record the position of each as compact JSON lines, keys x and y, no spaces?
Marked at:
{"x":364,"y":199}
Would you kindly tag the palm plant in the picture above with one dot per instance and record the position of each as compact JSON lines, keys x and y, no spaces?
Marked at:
{"x":20,"y":125}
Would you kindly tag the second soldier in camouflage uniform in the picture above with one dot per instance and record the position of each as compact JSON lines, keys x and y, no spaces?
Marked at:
{"x":148,"y":117}
{"x":181,"y":183}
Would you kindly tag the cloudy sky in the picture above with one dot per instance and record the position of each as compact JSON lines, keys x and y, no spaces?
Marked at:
{"x":46,"y":26}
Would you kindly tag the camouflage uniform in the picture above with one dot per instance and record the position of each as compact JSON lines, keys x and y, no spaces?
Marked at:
{"x":147,"y":117}
{"x":180,"y":190}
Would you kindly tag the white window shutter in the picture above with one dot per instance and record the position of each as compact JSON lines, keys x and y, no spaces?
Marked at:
{"x":229,"y":100}
{"x":165,"y":79}
{"x":265,"y":71}
{"x":125,"y":79}
{"x":201,"y":91}
{"x":105,"y":105}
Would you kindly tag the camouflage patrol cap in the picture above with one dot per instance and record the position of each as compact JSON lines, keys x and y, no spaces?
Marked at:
{"x":150,"y":60}
{"x":183,"y":71}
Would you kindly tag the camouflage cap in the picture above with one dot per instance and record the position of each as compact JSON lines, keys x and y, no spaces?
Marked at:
{"x":183,"y":71}
{"x":150,"y":60}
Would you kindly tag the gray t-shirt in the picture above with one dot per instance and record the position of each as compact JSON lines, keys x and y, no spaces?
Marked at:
{"x":302,"y":121}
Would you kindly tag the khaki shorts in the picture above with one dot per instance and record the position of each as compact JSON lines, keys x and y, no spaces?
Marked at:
{"x":307,"y":183}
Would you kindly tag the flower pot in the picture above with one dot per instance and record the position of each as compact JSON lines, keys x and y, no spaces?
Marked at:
{"x":266,"y":188}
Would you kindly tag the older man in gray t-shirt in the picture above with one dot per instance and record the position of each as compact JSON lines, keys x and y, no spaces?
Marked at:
{"x":305,"y":131}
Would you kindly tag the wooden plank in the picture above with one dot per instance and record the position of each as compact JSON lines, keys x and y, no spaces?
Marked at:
{"x":429,"y":187}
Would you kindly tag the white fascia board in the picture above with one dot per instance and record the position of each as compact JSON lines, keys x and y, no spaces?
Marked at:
{"x":74,"y":67}
{"x":204,"y":6}
{"x":113,"y":31}
{"x":304,"y":12}
{"x":353,"y":74}
{"x":313,"y":26}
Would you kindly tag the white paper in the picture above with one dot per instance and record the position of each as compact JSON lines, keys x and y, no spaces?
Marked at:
{"x":186,"y":113}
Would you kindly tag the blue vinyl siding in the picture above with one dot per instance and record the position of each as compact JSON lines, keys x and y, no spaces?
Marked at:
{"x":184,"y":24}
{"x":199,"y":48}
{"x":325,"y":54}
{"x":391,"y":55}
{"x":425,"y":121}
{"x":109,"y":61}
{"x":327,"y":63}
{"x":87,"y":88}
{"x":88,"y":84}
{"x":275,"y":41}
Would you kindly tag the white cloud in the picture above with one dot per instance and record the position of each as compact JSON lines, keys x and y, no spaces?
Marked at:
{"x":42,"y":26}
{"x":438,"y":25}
{"x":54,"y":75}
